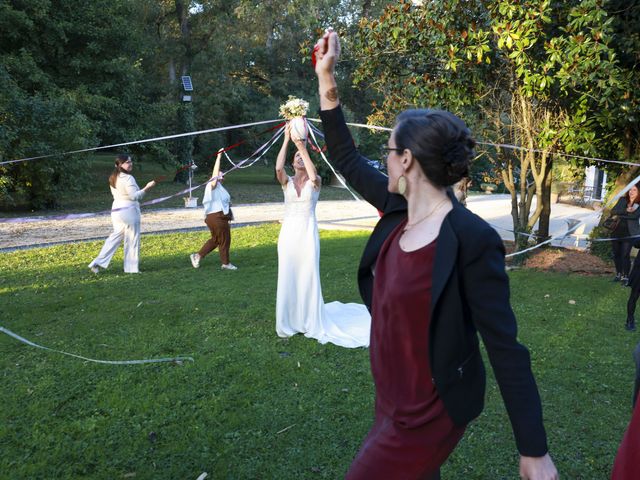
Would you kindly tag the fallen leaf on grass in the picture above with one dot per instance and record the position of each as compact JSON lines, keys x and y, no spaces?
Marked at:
{"x":285,"y":429}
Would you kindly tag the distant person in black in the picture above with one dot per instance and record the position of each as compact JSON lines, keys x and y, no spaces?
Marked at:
{"x":627,"y":210}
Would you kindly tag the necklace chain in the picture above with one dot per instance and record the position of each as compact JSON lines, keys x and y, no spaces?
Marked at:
{"x":431,"y":212}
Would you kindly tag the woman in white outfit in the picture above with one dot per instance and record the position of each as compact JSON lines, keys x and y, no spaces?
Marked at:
{"x":300,"y":307}
{"x":125,"y":215}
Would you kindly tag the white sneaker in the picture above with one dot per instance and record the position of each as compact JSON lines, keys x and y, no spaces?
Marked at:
{"x":229,"y":266}
{"x":195,"y":260}
{"x":94,"y":268}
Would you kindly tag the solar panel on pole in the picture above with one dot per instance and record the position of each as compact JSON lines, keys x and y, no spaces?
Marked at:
{"x":186,"y":83}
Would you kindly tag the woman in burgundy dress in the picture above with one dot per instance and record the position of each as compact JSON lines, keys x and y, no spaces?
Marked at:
{"x":432,"y":275}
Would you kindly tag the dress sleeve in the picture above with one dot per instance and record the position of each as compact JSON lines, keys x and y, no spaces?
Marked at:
{"x":486,"y":288}
{"x":365,"y":179}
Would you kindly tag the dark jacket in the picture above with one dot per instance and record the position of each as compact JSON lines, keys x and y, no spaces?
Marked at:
{"x":470,"y":294}
{"x":632,"y":219}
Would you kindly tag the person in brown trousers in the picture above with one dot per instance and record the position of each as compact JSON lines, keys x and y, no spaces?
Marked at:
{"x":217,"y":210}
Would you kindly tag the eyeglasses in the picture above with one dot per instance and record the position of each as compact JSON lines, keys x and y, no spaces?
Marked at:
{"x":384,"y":150}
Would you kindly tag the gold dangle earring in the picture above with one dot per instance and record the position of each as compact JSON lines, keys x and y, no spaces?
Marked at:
{"x":402,"y":185}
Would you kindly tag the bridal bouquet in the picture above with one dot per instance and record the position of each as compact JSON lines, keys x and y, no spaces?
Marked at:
{"x":294,"y":111}
{"x":294,"y":107}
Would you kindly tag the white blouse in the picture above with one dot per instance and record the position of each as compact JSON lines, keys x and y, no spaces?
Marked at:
{"x":216,"y":199}
{"x":127,"y":190}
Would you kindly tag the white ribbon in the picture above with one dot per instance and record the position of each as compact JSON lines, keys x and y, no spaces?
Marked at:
{"x":502,"y":145}
{"x":339,"y":177}
{"x":108,"y":362}
{"x":167,"y":137}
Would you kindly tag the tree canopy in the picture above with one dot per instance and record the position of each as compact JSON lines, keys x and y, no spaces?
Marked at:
{"x":560,"y":76}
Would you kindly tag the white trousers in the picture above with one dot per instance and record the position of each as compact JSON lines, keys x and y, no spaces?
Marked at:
{"x":126,"y":226}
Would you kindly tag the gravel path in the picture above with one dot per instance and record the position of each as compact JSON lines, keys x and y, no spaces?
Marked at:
{"x":347,"y":214}
{"x":334,"y":214}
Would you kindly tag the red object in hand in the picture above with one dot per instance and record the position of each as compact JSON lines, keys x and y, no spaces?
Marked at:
{"x":317,"y":47}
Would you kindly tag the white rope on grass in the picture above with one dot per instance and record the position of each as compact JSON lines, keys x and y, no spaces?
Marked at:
{"x":179,"y":359}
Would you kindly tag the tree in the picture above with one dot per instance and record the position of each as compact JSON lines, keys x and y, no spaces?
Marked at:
{"x":75,"y":77}
{"x":500,"y":65}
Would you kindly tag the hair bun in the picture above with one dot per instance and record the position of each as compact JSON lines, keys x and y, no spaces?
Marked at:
{"x":456,"y":156}
{"x":439,"y":140}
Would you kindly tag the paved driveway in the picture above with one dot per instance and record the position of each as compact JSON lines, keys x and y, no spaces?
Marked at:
{"x":496,"y":209}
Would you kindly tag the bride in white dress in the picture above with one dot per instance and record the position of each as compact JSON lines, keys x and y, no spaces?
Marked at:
{"x":300,"y":307}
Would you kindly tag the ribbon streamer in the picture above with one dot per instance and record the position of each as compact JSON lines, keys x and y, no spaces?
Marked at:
{"x":108,"y":362}
{"x":503,"y":145}
{"x":237,"y":144}
{"x":339,"y":177}
{"x":136,"y":142}
{"x":74,"y":216}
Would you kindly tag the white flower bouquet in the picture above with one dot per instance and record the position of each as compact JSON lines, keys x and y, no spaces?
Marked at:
{"x":294,"y":107}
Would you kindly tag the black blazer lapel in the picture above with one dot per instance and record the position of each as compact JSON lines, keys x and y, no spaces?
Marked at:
{"x":446,"y":252}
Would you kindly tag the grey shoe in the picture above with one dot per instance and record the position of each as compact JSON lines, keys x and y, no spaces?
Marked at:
{"x":94,"y":268}
{"x":229,"y":266}
{"x":195,"y":260}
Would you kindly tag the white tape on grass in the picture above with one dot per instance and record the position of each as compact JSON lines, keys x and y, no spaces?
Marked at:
{"x":179,"y":359}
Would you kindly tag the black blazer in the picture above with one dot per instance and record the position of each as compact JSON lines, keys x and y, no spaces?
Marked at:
{"x":470,"y":295}
{"x":632,"y":219}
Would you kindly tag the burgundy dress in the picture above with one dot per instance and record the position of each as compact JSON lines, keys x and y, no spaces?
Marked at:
{"x":627,"y":460}
{"x":412,"y":434}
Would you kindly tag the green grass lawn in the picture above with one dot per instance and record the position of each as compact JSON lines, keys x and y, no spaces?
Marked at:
{"x":251,"y":405}
{"x":256,"y":184}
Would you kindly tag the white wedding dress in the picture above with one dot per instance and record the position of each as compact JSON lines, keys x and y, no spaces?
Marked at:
{"x":300,"y":307}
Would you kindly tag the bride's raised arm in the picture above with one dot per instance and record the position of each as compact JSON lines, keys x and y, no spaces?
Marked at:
{"x":308,"y":164}
{"x":281,"y":175}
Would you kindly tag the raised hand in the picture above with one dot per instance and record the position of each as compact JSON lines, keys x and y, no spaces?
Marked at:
{"x":327,"y":52}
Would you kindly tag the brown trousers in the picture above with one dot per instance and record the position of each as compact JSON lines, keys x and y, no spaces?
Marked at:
{"x":218,"y":224}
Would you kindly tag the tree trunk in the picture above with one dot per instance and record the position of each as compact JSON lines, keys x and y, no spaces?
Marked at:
{"x":172,"y":72}
{"x":545,"y":215}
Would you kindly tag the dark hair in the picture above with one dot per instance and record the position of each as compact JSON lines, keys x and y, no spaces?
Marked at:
{"x":120,"y":159}
{"x":440,"y":141}
{"x":628,"y":196}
